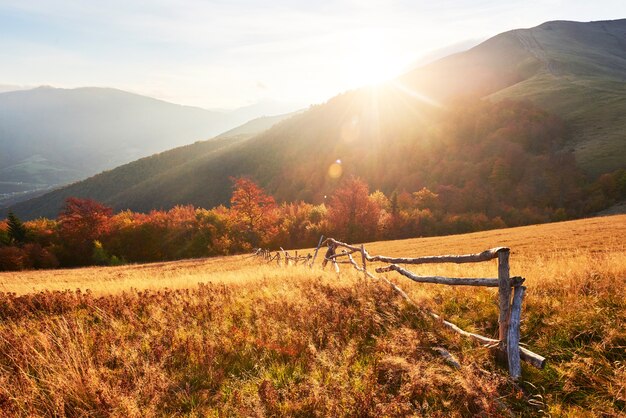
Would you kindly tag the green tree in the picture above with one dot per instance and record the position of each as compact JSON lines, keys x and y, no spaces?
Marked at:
{"x":393,"y":204}
{"x":16,"y":230}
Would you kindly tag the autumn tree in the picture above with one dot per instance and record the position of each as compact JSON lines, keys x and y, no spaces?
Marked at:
{"x":253,"y":214}
{"x":426,"y":199}
{"x":81,"y":222}
{"x":352,"y":214}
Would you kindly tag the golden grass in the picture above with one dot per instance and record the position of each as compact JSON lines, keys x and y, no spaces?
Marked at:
{"x":267,"y":341}
{"x":539,"y":253}
{"x":547,"y":255}
{"x":111,"y":280}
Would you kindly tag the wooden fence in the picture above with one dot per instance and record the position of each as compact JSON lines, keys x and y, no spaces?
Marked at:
{"x":510,"y":289}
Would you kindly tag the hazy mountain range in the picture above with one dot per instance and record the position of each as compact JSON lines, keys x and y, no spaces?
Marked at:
{"x":52,"y":136}
{"x":574,"y":70}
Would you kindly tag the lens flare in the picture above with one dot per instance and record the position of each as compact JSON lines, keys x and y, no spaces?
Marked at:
{"x":335,"y":170}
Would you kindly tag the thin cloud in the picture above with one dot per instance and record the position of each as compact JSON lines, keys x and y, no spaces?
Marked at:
{"x":212,"y":53}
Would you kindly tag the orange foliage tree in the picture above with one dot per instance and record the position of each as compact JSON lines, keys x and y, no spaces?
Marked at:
{"x":253,"y":214}
{"x":81,"y":222}
{"x":352,"y":214}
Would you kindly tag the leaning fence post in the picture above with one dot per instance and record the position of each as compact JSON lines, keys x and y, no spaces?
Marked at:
{"x":513,"y":351}
{"x":363,"y":260}
{"x":504,"y":293}
{"x":319,"y":244}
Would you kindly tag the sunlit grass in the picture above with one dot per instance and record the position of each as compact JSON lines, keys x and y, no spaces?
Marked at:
{"x":258,"y":340}
{"x":109,"y":280}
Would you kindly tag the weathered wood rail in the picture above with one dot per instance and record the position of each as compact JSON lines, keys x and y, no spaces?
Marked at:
{"x":283,"y":256}
{"x":509,"y":318}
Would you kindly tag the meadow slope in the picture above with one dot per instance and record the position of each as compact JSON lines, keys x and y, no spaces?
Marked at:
{"x":235,"y":337}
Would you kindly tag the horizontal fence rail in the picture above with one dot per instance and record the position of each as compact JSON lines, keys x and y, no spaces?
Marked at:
{"x":446,"y":280}
{"x":510,"y":311}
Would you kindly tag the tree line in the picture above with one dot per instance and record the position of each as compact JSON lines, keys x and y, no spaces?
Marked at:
{"x":89,"y":233}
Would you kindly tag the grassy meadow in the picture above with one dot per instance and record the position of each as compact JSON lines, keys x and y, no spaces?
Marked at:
{"x":234,"y":336}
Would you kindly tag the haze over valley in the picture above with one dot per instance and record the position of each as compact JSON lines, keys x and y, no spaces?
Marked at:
{"x":51,"y":137}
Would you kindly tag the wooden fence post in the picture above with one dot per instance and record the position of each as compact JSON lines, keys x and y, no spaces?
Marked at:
{"x":363,"y":260}
{"x":504,"y":293}
{"x":513,"y":351}
{"x":329,"y":253}
{"x":319,"y":244}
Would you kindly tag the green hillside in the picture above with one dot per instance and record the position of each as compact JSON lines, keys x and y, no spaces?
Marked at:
{"x":583,"y":80}
{"x":428,"y":128}
{"x":256,"y":126}
{"x":575,"y":70}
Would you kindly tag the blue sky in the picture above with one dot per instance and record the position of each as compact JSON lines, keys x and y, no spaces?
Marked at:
{"x":226,"y":54}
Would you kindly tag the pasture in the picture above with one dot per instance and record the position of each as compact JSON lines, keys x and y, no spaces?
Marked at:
{"x":234,"y":336}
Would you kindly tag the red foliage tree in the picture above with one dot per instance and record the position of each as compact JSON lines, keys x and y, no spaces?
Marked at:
{"x":253,"y":214}
{"x":81,"y":222}
{"x":352,"y":214}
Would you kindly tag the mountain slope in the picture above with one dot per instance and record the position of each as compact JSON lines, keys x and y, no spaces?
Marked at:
{"x":575,"y":70}
{"x":52,"y":136}
{"x":417,"y":132}
{"x":139,"y":180}
{"x":584,"y":81}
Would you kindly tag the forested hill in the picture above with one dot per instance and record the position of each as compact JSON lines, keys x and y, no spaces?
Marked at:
{"x":449,"y":126}
{"x":575,"y":70}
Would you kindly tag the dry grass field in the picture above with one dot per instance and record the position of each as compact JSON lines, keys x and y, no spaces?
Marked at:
{"x":111,"y":280}
{"x":234,"y":336}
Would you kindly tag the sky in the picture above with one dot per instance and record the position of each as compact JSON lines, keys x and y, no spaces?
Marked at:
{"x":224,"y":54}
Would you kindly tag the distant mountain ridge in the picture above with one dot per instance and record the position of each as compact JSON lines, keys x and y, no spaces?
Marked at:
{"x":575,"y":70}
{"x":52,"y":136}
{"x":140,"y":176}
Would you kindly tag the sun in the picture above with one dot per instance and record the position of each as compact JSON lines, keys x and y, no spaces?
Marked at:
{"x":372,"y":58}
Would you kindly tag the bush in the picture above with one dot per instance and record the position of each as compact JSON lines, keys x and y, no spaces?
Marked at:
{"x":102,"y":258}
{"x":40,"y":258}
{"x":13,"y":258}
